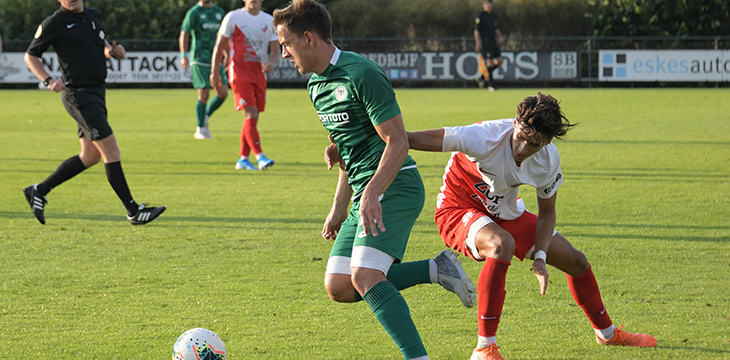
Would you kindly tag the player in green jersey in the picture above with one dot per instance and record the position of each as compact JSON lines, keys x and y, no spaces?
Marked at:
{"x":356,"y":104}
{"x":201,"y":23}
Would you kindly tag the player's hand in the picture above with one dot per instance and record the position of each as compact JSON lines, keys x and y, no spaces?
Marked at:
{"x":538,"y":266}
{"x":117,"y":51}
{"x":331,"y":156}
{"x":185,"y":63}
{"x":56,"y":85}
{"x":332,"y":224}
{"x":267,"y":68}
{"x":371,"y":213}
{"x":215,"y":79}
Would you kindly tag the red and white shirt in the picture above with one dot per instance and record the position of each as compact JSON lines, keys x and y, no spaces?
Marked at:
{"x":482,"y":172}
{"x":248,"y":39}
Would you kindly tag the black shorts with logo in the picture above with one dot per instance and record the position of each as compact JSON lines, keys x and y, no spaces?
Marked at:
{"x":87,"y":106}
{"x":490,"y":50}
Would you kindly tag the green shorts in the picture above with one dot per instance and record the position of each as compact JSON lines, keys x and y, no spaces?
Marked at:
{"x":200,"y":74}
{"x":402,"y":204}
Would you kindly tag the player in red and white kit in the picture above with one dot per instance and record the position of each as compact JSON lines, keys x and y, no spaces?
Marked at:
{"x":253,"y":51}
{"x":478,"y":213}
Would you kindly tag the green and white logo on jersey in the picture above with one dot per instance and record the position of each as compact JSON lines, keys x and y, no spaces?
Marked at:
{"x":340,"y":93}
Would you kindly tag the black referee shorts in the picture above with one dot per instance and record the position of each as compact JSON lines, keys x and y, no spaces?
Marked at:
{"x":490,"y":50}
{"x":88,"y":107}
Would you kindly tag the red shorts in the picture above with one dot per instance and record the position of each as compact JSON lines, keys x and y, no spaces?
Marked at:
{"x":247,"y":94}
{"x":454,"y":224}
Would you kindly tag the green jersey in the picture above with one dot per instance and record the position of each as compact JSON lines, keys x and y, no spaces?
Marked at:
{"x":351,"y":97}
{"x":202,"y":24}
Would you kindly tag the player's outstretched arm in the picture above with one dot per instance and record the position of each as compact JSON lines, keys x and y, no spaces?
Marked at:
{"x":543,"y":236}
{"x":426,"y":140}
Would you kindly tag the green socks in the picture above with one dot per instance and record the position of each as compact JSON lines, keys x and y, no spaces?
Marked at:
{"x":213,"y":105}
{"x":200,"y":112}
{"x":405,"y":275}
{"x":393,"y":314}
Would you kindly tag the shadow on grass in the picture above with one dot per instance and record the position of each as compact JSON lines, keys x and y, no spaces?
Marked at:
{"x":165,"y":219}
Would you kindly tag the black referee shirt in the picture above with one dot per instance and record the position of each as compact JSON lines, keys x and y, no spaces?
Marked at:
{"x":78,"y":39}
{"x":486,"y":24}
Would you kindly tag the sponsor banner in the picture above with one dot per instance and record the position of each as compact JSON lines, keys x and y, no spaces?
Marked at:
{"x":164,"y":67}
{"x":458,"y":66}
{"x":664,"y":65}
{"x":136,"y":67}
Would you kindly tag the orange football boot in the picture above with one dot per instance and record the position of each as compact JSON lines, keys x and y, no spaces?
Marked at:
{"x":625,"y":338}
{"x":489,"y":353}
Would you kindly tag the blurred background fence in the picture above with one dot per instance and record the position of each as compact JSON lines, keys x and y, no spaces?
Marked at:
{"x":586,"y":47}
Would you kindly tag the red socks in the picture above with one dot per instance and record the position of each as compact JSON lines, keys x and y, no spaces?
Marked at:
{"x":490,"y":288}
{"x":491,"y":291}
{"x":250,"y":138}
{"x":585,"y":292}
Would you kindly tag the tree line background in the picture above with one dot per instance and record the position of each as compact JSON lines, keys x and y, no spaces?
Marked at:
{"x":161,"y":19}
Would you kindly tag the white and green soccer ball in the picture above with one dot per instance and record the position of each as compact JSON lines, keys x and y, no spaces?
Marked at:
{"x":199,"y":344}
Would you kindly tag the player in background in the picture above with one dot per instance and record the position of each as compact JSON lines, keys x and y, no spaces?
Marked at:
{"x":248,"y":36}
{"x":356,"y":103}
{"x":201,"y":24}
{"x":77,"y":35}
{"x":478,"y":213}
{"x":485,"y":30}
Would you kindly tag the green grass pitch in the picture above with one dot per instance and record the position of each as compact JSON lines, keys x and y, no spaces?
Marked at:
{"x":646,"y":197}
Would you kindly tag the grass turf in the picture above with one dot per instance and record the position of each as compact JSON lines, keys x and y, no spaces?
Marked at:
{"x":646,"y":197}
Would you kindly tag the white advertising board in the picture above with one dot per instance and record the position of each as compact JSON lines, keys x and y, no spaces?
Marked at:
{"x":664,"y":65}
{"x":136,"y":67}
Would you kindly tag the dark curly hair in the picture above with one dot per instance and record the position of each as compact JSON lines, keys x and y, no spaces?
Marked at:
{"x":540,"y":116}
{"x":305,"y":15}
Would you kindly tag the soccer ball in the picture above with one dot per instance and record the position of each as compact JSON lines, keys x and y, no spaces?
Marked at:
{"x":199,"y":344}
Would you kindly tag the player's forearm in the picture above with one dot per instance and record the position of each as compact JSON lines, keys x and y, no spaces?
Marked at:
{"x":426,"y":140}
{"x":35,"y":65}
{"x":218,"y":49}
{"x":183,"y":42}
{"x":343,"y":193}
{"x":544,"y":231}
{"x":275,"y":54}
{"x":395,"y":153}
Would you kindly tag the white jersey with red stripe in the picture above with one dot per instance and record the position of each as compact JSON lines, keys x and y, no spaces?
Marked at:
{"x":248,"y":39}
{"x":482,"y":171}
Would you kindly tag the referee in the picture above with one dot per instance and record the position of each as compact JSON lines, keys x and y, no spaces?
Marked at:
{"x":485,"y":31}
{"x":77,"y":34}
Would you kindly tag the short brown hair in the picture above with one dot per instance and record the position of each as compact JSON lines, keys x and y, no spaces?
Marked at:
{"x":305,"y":15}
{"x":541,"y":116}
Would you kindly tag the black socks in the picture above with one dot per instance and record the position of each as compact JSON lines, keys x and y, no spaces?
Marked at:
{"x":115,"y":175}
{"x":68,"y":169}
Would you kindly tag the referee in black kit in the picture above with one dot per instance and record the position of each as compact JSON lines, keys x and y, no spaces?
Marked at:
{"x":77,"y":34}
{"x":485,"y":31}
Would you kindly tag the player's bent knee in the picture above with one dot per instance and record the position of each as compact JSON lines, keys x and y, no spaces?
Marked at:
{"x":581,"y":262}
{"x":499,"y":246}
{"x":578,"y":265}
{"x":339,"y":288}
